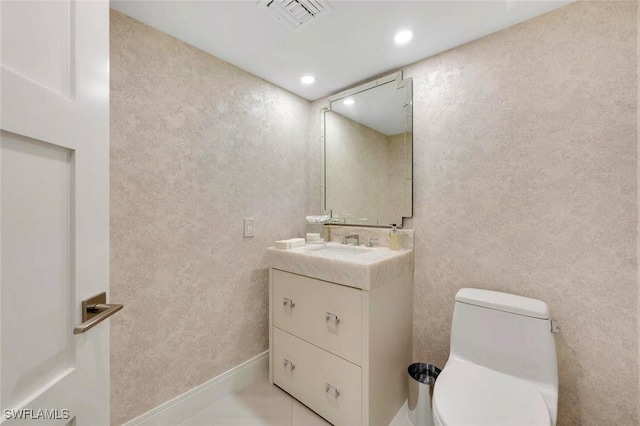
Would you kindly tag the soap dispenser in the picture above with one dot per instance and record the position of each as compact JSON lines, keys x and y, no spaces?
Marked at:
{"x":394,"y":238}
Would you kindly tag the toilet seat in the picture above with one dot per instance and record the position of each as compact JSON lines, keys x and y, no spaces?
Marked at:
{"x":467,"y":394}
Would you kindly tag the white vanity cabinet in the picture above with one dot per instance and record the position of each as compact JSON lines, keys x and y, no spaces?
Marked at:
{"x":341,"y":350}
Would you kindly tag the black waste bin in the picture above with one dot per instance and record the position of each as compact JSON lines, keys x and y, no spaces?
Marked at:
{"x":422,"y":378}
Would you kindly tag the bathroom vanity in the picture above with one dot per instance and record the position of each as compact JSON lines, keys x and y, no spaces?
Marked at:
{"x":340,"y":327}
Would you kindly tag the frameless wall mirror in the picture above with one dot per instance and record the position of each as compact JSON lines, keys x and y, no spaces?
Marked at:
{"x":368,"y":153}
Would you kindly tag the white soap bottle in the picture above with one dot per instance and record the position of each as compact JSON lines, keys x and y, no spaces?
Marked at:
{"x":394,"y":238}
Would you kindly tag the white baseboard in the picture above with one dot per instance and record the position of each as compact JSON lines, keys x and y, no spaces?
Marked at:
{"x":189,"y":403}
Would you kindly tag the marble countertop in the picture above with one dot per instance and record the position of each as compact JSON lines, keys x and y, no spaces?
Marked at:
{"x":360,"y":267}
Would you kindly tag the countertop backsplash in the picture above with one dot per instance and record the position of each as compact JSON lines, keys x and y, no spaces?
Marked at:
{"x":335,"y":233}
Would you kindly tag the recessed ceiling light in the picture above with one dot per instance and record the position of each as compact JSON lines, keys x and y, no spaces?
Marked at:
{"x":348,"y":102}
{"x":308,"y":79}
{"x":403,"y":36}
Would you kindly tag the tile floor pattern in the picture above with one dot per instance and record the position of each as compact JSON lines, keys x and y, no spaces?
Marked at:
{"x":262,"y":404}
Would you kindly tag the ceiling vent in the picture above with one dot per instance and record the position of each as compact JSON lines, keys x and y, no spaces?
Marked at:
{"x":295,"y":13}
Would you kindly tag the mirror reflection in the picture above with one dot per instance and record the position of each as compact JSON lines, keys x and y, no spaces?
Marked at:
{"x":368,"y":153}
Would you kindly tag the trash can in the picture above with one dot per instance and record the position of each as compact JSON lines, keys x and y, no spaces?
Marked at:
{"x":422,"y":377}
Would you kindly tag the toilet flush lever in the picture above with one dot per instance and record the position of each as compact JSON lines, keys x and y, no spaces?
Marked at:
{"x":555,"y":327}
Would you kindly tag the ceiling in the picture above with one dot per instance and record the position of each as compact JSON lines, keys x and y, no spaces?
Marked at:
{"x":348,"y":44}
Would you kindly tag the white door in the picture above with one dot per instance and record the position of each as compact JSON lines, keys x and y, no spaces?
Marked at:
{"x":54,"y":212}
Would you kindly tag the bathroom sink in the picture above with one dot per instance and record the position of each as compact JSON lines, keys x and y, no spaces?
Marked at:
{"x":354,"y":266}
{"x":338,"y":251}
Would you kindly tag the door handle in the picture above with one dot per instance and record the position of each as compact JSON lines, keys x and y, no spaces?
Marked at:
{"x":95,"y":310}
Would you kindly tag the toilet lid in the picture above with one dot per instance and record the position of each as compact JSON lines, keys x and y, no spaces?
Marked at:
{"x":468,"y":394}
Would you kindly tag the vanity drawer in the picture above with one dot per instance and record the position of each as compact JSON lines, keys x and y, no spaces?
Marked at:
{"x":325,"y":314}
{"x":327,"y":384}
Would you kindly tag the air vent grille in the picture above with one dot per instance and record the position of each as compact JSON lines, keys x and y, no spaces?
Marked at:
{"x":295,"y":13}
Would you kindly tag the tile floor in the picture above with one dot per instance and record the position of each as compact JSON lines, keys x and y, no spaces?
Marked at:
{"x":262,"y":404}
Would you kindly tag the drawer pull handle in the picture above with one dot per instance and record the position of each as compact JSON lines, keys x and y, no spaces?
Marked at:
{"x":288,"y":302}
{"x":331,"y":390}
{"x":288,"y":364}
{"x":332,"y":317}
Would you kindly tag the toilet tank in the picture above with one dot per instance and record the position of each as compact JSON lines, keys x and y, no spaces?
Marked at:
{"x":504,"y":332}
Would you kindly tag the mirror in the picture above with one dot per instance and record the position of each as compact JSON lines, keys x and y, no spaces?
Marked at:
{"x":368,"y":153}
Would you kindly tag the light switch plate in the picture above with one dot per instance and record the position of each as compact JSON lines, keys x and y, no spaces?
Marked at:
{"x":248,"y":227}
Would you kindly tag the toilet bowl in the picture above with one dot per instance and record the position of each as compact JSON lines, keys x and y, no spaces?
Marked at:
{"x":502,"y":368}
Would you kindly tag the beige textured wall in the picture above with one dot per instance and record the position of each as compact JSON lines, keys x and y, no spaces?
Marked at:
{"x":525,"y":182}
{"x":197,"y":145}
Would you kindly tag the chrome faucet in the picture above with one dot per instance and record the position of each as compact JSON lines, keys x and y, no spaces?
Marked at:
{"x":355,"y":237}
{"x":370,"y":242}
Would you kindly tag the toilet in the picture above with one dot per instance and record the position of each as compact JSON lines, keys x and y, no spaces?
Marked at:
{"x":502,"y":367}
